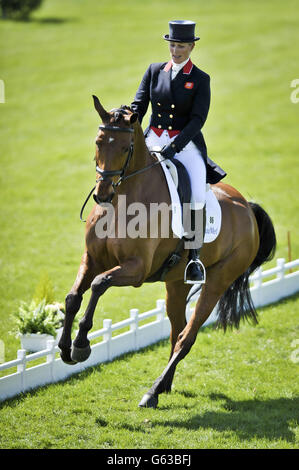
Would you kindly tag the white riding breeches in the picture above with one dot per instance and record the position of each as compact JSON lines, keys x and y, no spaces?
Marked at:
{"x":192,"y":160}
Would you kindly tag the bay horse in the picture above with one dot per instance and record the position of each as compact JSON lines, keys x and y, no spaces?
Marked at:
{"x":247,"y":239}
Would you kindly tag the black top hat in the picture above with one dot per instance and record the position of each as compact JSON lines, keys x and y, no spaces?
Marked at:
{"x":181,"y":31}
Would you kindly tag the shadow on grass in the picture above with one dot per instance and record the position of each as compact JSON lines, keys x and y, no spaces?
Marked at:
{"x":53,"y":20}
{"x":270,"y":419}
{"x":49,"y":20}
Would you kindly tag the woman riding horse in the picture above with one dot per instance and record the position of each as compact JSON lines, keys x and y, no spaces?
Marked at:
{"x":247,"y":239}
{"x":127,"y":171}
{"x":179,"y":93}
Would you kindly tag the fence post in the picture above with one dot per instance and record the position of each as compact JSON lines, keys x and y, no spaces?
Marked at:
{"x":51,"y":356}
{"x":258,"y":278}
{"x":280,"y":264}
{"x":107,"y":323}
{"x":258,"y":285}
{"x":21,"y":368}
{"x":160,"y":303}
{"x":134,"y":312}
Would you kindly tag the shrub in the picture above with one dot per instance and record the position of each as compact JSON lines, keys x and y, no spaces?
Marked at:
{"x":44,"y":290}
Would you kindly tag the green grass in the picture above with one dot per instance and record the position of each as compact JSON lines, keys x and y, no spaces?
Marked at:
{"x":72,"y":49}
{"x":233,"y":390}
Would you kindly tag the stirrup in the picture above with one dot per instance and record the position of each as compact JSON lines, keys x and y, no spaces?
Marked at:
{"x":198,"y":262}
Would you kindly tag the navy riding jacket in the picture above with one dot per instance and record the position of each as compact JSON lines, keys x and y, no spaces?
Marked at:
{"x":181,"y":104}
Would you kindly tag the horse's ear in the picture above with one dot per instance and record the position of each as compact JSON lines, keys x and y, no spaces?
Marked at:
{"x":99,"y":108}
{"x":133,"y":118}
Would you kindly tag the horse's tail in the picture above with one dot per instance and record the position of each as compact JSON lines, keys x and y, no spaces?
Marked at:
{"x":236,"y":303}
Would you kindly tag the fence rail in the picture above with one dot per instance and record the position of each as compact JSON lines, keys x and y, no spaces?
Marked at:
{"x":137,"y":337}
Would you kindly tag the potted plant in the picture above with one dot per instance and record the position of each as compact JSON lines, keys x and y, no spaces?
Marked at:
{"x":41,"y":319}
{"x":37,"y":322}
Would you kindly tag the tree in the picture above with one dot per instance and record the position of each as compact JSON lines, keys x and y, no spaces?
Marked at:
{"x":18,"y":9}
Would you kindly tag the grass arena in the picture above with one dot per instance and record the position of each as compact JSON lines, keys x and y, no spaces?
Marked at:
{"x":233,"y":391}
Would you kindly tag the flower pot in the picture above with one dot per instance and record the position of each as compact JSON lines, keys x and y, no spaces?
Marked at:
{"x":36,"y":342}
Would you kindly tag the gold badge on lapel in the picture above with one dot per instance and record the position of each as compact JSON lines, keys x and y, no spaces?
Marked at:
{"x":189,"y":85}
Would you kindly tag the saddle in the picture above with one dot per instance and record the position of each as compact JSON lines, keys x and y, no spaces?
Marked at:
{"x":180,"y":189}
{"x":181,"y":180}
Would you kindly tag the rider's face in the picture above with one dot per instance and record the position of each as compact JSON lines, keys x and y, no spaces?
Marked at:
{"x":180,"y":51}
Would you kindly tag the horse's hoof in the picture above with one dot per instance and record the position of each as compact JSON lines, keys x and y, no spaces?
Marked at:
{"x":80,"y":354}
{"x":66,"y":357}
{"x":149,"y":401}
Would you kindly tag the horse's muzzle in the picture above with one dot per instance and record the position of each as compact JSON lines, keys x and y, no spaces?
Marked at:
{"x":104,"y":191}
{"x":99,"y":200}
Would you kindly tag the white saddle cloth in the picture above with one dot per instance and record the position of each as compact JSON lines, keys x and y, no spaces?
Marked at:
{"x":213,"y":209}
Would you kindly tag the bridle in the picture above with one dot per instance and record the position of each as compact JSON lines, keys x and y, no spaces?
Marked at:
{"x":106,"y":174}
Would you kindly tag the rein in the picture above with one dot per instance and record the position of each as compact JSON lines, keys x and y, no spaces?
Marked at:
{"x":107,"y":173}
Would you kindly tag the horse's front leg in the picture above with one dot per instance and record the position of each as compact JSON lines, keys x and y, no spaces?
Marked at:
{"x":73,"y":301}
{"x":130,"y":273}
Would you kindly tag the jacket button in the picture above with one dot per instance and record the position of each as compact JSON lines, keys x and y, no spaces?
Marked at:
{"x":159,"y":104}
{"x":171,"y":116}
{"x":173,"y":106}
{"x":159,"y":126}
{"x":170,"y":128}
{"x":159,"y":115}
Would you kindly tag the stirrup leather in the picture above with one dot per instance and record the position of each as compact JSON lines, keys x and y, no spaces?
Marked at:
{"x":198,"y":262}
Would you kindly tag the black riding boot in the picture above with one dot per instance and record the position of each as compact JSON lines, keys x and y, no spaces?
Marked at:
{"x":195,"y":271}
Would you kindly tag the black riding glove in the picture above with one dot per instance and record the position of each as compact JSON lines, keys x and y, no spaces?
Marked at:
{"x":169,"y":151}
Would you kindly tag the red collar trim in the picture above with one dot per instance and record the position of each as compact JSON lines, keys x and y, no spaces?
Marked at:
{"x":168,"y":66}
{"x":188,"y":67}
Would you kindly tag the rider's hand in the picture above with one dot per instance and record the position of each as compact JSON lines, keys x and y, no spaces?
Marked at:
{"x":169,"y":151}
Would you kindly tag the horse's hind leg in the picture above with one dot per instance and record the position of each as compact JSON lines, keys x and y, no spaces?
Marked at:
{"x":218,"y":280}
{"x":72,"y":305}
{"x":220,"y":277}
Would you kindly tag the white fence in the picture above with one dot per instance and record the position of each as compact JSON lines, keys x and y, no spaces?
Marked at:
{"x":137,"y":337}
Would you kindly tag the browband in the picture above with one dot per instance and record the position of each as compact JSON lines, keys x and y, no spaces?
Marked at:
{"x":116,"y":128}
